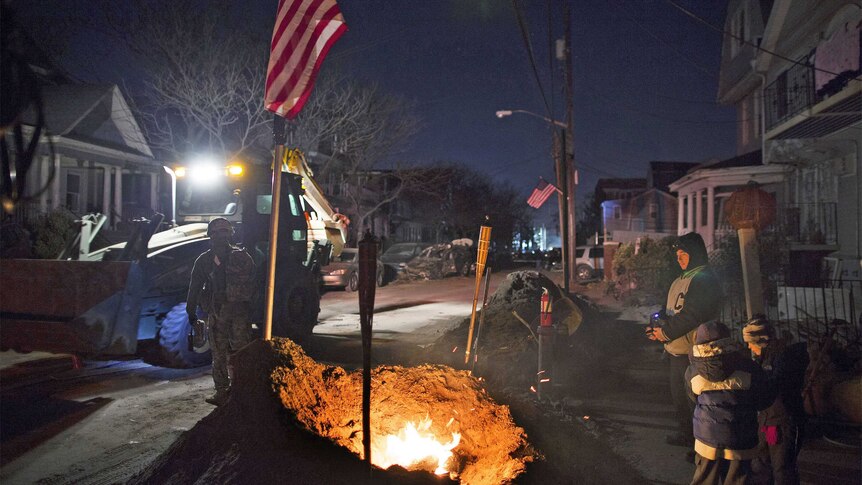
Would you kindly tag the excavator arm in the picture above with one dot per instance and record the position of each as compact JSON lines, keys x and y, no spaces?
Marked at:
{"x":324,"y":223}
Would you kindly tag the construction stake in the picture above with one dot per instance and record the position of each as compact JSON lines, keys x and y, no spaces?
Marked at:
{"x":481,"y":318}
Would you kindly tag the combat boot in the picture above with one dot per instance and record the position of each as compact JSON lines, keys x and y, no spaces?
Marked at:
{"x":219,"y":398}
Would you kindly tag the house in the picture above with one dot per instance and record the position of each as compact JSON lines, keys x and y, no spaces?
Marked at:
{"x":704,"y":190}
{"x":619,"y":188}
{"x":643,"y":208}
{"x":799,"y":98}
{"x":651,"y":214}
{"x":92,"y":156}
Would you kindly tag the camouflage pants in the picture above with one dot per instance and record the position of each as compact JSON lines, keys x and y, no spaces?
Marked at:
{"x":229,"y":331}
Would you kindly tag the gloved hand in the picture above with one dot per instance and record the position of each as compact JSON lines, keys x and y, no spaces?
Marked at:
{"x":656,"y":333}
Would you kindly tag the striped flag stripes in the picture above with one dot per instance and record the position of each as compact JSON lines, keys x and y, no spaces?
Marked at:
{"x":304,"y":32}
{"x":541,"y":193}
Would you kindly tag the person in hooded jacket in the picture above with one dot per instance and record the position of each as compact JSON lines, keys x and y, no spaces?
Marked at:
{"x":729,"y":389}
{"x":222,"y":283}
{"x":692,"y":299}
{"x":781,"y":425}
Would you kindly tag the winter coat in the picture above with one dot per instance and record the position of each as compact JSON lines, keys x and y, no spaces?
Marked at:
{"x":693,"y":298}
{"x":785,"y":365}
{"x":729,"y":390}
{"x":216,"y":281}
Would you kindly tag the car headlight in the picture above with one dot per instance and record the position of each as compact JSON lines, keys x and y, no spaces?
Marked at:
{"x":338,"y":272}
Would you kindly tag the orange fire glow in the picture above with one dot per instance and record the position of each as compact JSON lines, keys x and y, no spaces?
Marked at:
{"x":413,"y":446}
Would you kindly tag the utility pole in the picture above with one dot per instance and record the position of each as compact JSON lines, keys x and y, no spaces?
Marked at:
{"x":569,"y":165}
{"x":562,"y":181}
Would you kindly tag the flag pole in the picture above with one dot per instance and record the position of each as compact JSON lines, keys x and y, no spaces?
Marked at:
{"x":278,"y":139}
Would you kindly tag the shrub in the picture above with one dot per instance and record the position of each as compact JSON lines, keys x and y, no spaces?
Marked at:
{"x":51,"y":232}
{"x":654,"y":266}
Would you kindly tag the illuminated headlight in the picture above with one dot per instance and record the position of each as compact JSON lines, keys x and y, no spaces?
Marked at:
{"x":180,"y":172}
{"x":205,"y":174}
{"x":338,"y":272}
{"x":235,"y":170}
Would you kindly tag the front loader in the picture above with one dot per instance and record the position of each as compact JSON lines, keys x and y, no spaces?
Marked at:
{"x":104,"y":304}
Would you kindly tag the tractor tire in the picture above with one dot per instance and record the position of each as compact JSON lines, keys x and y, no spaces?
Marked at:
{"x":173,"y":340}
{"x":352,"y":282}
{"x":583,"y":273}
{"x":298,"y":314}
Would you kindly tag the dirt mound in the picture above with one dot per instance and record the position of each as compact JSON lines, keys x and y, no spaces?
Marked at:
{"x":506,"y":346}
{"x":287,"y":414}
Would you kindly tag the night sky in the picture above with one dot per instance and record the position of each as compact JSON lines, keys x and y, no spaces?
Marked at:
{"x":645,"y":80}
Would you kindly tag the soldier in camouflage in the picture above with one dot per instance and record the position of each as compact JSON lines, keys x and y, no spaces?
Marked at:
{"x":222,"y":283}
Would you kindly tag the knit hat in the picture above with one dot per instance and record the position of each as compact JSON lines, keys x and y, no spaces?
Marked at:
{"x":219,"y":224}
{"x":712,"y":339}
{"x":758,"y":331}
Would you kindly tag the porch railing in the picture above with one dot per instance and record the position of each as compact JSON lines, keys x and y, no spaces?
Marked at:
{"x":792,"y":92}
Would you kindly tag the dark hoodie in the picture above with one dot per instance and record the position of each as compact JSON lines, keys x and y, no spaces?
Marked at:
{"x":729,"y":389}
{"x":694,"y":297}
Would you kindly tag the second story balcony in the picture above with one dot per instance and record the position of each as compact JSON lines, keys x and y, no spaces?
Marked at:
{"x":796,"y":107}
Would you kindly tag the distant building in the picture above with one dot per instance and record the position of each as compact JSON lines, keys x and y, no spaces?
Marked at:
{"x":661,"y":174}
{"x":93,"y":156}
{"x":649,"y":214}
{"x":622,"y":188}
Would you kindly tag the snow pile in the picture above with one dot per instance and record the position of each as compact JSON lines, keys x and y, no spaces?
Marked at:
{"x":288,"y":414}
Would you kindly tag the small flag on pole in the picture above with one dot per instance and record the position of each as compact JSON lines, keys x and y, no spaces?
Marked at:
{"x":304,"y":32}
{"x":541,"y":193}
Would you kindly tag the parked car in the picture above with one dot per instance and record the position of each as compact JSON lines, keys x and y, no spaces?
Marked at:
{"x":343,"y":271}
{"x":441,"y":260}
{"x":590,"y":262}
{"x":399,"y":254}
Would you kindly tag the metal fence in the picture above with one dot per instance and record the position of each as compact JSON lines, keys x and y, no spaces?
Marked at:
{"x":790,"y":93}
{"x":833,"y":307}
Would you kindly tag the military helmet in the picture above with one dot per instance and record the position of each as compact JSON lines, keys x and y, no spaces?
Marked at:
{"x":219,"y":224}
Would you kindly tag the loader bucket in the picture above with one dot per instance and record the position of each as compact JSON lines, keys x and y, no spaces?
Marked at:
{"x":82,"y":307}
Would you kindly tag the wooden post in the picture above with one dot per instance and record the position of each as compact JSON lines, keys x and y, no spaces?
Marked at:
{"x":278,"y":156}
{"x":367,"y":288}
{"x":748,"y":251}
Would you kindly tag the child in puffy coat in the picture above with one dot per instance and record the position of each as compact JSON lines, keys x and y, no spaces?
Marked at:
{"x":729,"y":389}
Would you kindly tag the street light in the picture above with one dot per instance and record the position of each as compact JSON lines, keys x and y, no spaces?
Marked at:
{"x":508,"y":112}
{"x":565,"y":198}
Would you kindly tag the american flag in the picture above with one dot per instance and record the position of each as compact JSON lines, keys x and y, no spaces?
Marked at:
{"x":540,"y":194}
{"x":304,"y":32}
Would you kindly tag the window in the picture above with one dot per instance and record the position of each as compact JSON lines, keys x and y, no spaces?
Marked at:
{"x":738,"y":31}
{"x":756,"y":117}
{"x":618,"y":212}
{"x":73,"y":192}
{"x":653,"y":211}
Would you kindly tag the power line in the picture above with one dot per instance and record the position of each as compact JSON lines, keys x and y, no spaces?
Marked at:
{"x":526,"y":37}
{"x":747,"y":42}
{"x":666,"y":43}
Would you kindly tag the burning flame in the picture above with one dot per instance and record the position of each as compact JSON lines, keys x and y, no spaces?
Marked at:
{"x":413,"y":445}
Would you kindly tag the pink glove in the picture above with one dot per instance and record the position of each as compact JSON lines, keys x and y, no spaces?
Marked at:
{"x":771,"y":433}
